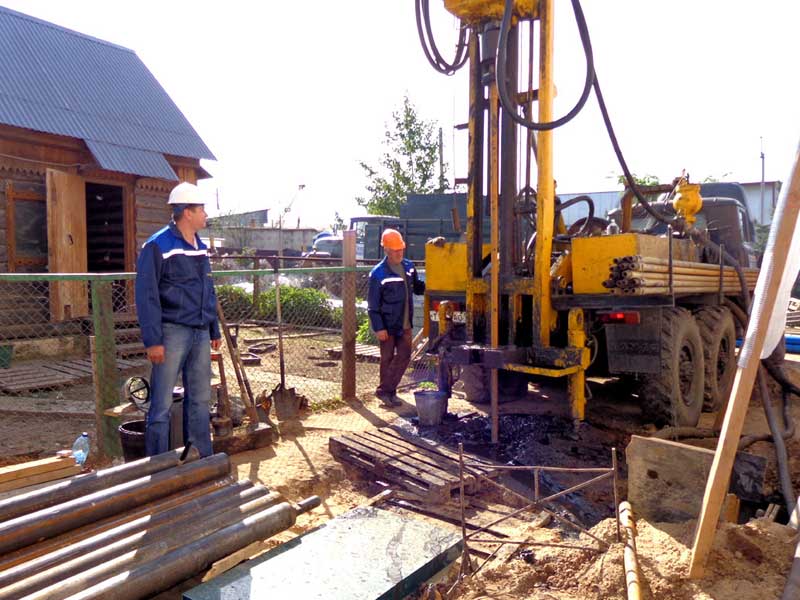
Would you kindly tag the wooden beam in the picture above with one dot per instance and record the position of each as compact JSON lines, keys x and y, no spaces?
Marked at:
{"x":349,"y":317}
{"x":783,"y":226}
{"x":34,"y":467}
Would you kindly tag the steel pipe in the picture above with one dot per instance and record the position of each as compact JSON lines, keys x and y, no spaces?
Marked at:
{"x":74,"y":576}
{"x":83,"y":485}
{"x":72,"y":537}
{"x":629,"y":558}
{"x":178,"y":565}
{"x":57,"y":519}
{"x":91,"y":551}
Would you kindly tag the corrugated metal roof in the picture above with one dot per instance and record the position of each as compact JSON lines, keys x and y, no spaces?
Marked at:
{"x":131,"y":160}
{"x":59,"y":81}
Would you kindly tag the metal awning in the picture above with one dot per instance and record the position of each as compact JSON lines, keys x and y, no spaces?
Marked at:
{"x":134,"y":161}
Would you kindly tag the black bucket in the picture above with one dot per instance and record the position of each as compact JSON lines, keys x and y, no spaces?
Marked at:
{"x":131,"y":435}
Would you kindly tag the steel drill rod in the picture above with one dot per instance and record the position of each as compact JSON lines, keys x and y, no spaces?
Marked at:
{"x":178,"y":565}
{"x":57,"y":519}
{"x":652,"y":260}
{"x":630,"y":559}
{"x":714,"y":270}
{"x":82,"y":485}
{"x":70,"y":578}
{"x":72,"y":537}
{"x":694,"y":276}
{"x":131,"y":533}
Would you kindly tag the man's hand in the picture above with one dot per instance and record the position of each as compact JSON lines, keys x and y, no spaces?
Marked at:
{"x":155,"y":354}
{"x":383,"y":335}
{"x":216,"y":344}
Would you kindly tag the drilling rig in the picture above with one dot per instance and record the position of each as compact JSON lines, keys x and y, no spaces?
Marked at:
{"x":649,"y":295}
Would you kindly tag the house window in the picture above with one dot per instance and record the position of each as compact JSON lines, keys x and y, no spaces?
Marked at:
{"x":26,"y":229}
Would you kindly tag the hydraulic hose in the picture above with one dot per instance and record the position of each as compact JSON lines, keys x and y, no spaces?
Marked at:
{"x":777,"y":439}
{"x":422,"y":9}
{"x":500,"y":70}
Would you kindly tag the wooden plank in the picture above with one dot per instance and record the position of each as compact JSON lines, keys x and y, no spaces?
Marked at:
{"x":349,"y":451}
{"x":772,"y":272}
{"x":386,"y":459}
{"x":33,"y":467}
{"x":406,"y":456}
{"x":440,"y":449}
{"x":68,"y":470}
{"x":434,"y":461}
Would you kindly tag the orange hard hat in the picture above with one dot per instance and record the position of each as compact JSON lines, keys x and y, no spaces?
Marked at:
{"x":392,"y":240}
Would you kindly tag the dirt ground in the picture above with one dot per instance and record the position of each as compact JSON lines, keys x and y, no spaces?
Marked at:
{"x":748,"y":562}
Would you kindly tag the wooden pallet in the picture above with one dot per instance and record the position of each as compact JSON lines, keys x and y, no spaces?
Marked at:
{"x":423,"y":467}
{"x":370,"y":353}
{"x":54,"y":374}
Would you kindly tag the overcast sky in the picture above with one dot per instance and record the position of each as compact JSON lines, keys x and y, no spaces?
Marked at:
{"x":295,"y":93}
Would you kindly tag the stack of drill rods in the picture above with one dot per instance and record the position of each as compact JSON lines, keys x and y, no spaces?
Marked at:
{"x":89,"y":540}
{"x":164,"y":531}
{"x":143,"y":578}
{"x":642,"y":276}
{"x":82,"y":485}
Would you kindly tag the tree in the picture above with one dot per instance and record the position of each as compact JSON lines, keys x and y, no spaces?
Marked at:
{"x":645,"y":180}
{"x":338,"y":223}
{"x":408,"y":166}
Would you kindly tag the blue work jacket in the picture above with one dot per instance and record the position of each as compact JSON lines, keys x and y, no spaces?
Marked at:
{"x":387,"y":296}
{"x":174,"y":285}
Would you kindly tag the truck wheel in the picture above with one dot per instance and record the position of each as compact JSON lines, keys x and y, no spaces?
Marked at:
{"x":718,"y":333}
{"x":476,"y":385}
{"x":675,"y":396}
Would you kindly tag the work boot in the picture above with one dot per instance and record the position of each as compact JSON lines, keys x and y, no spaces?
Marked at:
{"x":387,"y":399}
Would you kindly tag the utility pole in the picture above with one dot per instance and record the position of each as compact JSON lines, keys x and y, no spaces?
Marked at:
{"x":441,"y":163}
{"x":763,"y":210}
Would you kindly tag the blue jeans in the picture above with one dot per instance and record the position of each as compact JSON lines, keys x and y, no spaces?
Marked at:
{"x":186,"y":350}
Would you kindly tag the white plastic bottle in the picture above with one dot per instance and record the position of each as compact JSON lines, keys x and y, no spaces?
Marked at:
{"x":80,"y":449}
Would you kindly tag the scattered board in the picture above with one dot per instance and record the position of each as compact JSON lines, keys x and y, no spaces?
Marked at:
{"x":53,"y":374}
{"x":423,"y":467}
{"x":13,"y":477}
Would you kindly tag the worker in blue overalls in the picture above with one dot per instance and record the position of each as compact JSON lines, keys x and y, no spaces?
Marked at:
{"x":177,"y":310}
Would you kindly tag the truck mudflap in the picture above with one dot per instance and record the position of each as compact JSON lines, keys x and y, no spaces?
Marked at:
{"x":635,"y":348}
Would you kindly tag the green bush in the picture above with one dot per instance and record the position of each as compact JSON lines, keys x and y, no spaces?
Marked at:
{"x":236,"y":303}
{"x":300,"y":306}
{"x":365,"y":335}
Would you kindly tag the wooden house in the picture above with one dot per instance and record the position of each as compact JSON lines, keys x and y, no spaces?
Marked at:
{"x":90,"y":147}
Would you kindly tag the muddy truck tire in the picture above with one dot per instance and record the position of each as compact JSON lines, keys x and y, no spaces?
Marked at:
{"x":718,"y":332}
{"x":475,"y":382}
{"x":675,"y":396}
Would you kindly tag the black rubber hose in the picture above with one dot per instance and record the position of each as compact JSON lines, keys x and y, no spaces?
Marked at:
{"x":777,"y":439}
{"x":566,"y":204}
{"x":428,"y":44}
{"x":500,"y":70}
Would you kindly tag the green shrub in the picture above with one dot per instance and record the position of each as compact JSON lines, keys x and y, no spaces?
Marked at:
{"x":365,"y":335}
{"x":236,"y":303}
{"x":299,"y":306}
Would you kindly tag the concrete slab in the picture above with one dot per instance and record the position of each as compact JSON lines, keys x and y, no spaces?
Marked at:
{"x":365,"y":554}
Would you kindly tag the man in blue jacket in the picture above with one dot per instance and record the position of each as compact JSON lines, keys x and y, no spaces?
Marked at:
{"x":177,"y":309}
{"x":391,"y":309}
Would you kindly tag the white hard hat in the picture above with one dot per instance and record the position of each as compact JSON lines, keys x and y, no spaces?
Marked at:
{"x":186,"y":193}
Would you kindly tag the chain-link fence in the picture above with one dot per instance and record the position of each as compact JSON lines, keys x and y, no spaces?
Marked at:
{"x":69,"y":342}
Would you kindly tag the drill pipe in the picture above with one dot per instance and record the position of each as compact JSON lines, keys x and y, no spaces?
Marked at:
{"x":70,"y":578}
{"x":57,"y":519}
{"x":133,"y":532}
{"x":82,"y":485}
{"x":147,"y":578}
{"x":145,"y":511}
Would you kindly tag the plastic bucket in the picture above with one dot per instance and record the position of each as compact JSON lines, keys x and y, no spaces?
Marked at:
{"x":6,"y":352}
{"x":431,"y":406}
{"x":131,"y":436}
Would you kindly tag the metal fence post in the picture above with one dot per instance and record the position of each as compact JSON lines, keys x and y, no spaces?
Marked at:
{"x":349,"y":316}
{"x":256,"y":282}
{"x":104,"y":363}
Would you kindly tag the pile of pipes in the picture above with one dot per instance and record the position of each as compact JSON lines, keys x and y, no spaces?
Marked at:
{"x":133,"y":530}
{"x":641,"y":276}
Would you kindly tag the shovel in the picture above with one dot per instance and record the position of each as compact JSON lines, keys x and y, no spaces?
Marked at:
{"x":285,"y":400}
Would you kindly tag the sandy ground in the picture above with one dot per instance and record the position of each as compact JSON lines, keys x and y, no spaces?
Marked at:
{"x":748,"y":562}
